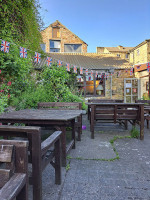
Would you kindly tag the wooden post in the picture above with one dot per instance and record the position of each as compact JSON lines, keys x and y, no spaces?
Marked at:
{"x":94,"y":80}
{"x":57,"y":162}
{"x":92,"y":121}
{"x":115,"y":114}
{"x":149,"y":85}
{"x":36,"y":165}
{"x":73,"y":133}
{"x":142,"y":122}
{"x":63,"y":145}
{"x":111,"y":87}
{"x":84,"y":77}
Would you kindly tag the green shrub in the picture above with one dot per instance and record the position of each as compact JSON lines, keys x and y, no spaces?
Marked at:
{"x":51,"y":87}
{"x":3,"y":103}
{"x":134,"y":132}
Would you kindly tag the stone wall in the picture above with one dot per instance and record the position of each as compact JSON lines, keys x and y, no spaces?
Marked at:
{"x":148,"y":51}
{"x":141,"y":54}
{"x":117,"y":84}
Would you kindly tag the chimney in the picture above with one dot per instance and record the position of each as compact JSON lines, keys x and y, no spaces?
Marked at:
{"x":120,"y":47}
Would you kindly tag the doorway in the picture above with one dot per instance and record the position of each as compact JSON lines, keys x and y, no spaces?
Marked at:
{"x":131,"y":90}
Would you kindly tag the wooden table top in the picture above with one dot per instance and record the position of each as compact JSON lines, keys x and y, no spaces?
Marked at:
{"x":41,"y":114}
{"x":114,"y":103}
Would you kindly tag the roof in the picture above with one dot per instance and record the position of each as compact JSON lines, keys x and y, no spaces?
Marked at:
{"x":118,"y":49}
{"x":88,"y":61}
{"x":58,"y":23}
{"x":139,"y":45}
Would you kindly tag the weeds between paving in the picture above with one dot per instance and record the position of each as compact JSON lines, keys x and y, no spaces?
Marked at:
{"x":134,"y":134}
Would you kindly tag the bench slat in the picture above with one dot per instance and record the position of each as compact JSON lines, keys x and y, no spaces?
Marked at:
{"x":4,"y":177}
{"x":60,"y":105}
{"x":46,"y":144}
{"x":10,"y":190}
{"x":104,"y":117}
{"x":6,"y":152}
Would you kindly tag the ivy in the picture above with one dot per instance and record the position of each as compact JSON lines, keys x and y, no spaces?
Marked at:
{"x":20,"y":26}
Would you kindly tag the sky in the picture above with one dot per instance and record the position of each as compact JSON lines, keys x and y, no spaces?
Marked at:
{"x":104,"y":23}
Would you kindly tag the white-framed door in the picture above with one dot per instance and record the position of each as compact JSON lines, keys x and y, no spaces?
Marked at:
{"x":131,"y":90}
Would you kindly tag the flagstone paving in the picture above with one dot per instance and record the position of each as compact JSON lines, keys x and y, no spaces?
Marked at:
{"x":90,"y":178}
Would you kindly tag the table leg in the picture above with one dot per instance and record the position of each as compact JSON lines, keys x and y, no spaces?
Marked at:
{"x":36,"y":166}
{"x":73,"y":133}
{"x":147,"y":122}
{"x":80,"y":127}
{"x":57,"y":162}
{"x":126,"y":124}
{"x":141,"y":122}
{"x":63,"y":145}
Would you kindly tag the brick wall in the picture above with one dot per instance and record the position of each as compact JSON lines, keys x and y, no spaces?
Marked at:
{"x":66,"y":37}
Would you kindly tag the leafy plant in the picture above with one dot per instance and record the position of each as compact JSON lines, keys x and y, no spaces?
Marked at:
{"x":3,"y":103}
{"x":134,"y":132}
{"x":49,"y":86}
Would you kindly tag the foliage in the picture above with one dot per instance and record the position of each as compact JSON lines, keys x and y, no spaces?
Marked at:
{"x":134,"y":132}
{"x":14,"y":70}
{"x":51,"y":85}
{"x":20,"y":20}
{"x":146,"y":96}
{"x":19,"y":25}
{"x":3,"y":103}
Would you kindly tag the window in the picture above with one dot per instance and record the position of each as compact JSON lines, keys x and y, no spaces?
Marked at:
{"x":43,"y":47}
{"x":118,"y":55}
{"x":54,"y":45}
{"x":56,"y":33}
{"x":73,"y":48}
{"x":127,"y":55}
{"x":138,"y":52}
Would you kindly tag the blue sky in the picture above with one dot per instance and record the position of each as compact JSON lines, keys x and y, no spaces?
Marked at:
{"x":106,"y":23}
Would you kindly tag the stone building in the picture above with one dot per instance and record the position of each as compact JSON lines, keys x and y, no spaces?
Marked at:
{"x":140,"y":58}
{"x":108,"y":76}
{"x":119,"y":51}
{"x":57,"y":38}
{"x":140,"y":53}
{"x":143,"y":75}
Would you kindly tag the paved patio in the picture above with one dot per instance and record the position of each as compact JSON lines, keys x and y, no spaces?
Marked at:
{"x":91,"y":178}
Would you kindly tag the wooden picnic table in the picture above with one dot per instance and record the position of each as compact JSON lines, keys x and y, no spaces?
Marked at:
{"x":47,"y":118}
{"x":147,"y":114}
{"x":52,"y":118}
{"x":117,"y":112}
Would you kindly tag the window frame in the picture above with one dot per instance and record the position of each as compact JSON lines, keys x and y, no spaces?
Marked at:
{"x":138,"y":52}
{"x":72,"y":51}
{"x":54,"y":48}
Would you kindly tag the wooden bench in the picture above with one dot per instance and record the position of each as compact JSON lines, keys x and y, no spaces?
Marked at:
{"x":65,"y":106}
{"x":40,"y":154}
{"x":146,"y":110}
{"x":102,"y":101}
{"x":13,"y":170}
{"x":117,"y":112}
